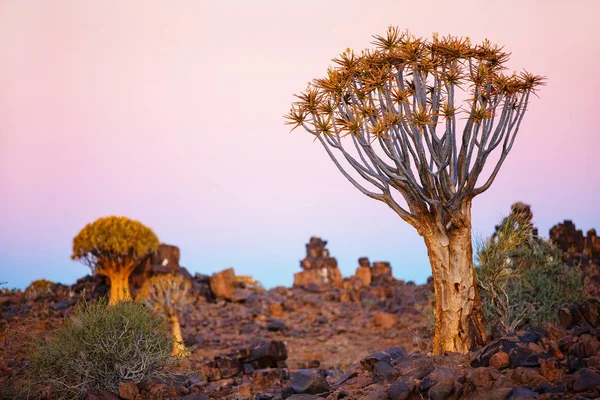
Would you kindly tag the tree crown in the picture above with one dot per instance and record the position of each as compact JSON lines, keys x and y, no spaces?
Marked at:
{"x":165,"y":293}
{"x":113,"y":243}
{"x":390,"y":100}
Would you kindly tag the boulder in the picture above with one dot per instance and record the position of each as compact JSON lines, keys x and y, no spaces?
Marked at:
{"x":223,"y":284}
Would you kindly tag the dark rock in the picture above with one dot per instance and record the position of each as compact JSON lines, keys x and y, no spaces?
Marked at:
{"x":229,"y":366}
{"x":591,"y":312}
{"x":523,"y":357}
{"x":585,"y":379}
{"x":304,"y":397}
{"x":521,"y":393}
{"x":399,"y":391}
{"x":275,"y":326}
{"x":575,"y":364}
{"x":501,"y":344}
{"x":309,"y":382}
{"x":383,"y":372}
{"x":63,"y":304}
{"x":527,"y":336}
{"x":267,"y":353}
{"x":195,"y":396}
{"x":441,"y":391}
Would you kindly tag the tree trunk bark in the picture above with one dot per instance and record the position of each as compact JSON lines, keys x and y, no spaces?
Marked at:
{"x":178,"y":346}
{"x":459,"y":323}
{"x":119,"y":287}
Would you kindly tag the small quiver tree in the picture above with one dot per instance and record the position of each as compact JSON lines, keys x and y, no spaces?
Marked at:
{"x":412,"y":124}
{"x":167,"y":294}
{"x":114,"y":247}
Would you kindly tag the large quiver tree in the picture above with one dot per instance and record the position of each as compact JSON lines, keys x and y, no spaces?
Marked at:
{"x":114,"y":247}
{"x":392,"y":115}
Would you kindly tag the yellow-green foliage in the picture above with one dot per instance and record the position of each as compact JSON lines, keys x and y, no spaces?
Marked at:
{"x":112,"y":243}
{"x":248,"y":281}
{"x":522,"y":279}
{"x":165,"y":293}
{"x":99,"y":347}
{"x":37,"y":288}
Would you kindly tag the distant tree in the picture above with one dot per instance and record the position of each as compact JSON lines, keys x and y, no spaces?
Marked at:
{"x":166,"y":294}
{"x":380,"y":110}
{"x":114,"y":246}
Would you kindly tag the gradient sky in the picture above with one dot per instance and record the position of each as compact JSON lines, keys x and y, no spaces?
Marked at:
{"x":170,"y":112}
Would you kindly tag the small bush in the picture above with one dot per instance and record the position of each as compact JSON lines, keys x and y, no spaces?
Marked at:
{"x":522,"y":279}
{"x":99,"y":347}
{"x":37,"y":288}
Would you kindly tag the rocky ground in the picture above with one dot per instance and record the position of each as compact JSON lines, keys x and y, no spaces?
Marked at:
{"x":363,"y":337}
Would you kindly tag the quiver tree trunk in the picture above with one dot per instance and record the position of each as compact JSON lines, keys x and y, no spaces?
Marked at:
{"x":459,"y":323}
{"x":178,"y":346}
{"x":119,"y":286}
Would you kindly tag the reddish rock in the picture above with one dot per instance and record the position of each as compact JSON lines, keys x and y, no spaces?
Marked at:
{"x":275,"y":310}
{"x":364,"y":275}
{"x":500,"y":360}
{"x":385,"y":320}
{"x":129,"y":390}
{"x":222,"y":284}
{"x":318,"y":267}
{"x":550,"y":369}
{"x":381,"y":272}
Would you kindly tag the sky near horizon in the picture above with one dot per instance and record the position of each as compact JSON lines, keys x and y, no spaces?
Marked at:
{"x":171,"y":113}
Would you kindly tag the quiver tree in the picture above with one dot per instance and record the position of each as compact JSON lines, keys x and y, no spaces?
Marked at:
{"x":114,"y":247}
{"x":412,"y":123}
{"x":166,"y":294}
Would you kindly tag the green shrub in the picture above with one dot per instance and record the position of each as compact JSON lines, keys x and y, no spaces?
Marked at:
{"x":99,"y":347}
{"x":522,"y":279}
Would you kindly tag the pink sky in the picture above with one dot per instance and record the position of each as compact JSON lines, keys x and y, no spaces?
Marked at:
{"x":171,"y":113}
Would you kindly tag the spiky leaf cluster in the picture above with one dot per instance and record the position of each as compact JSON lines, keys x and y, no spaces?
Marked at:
{"x":165,"y":293}
{"x":113,"y":243}
{"x":389,"y":103}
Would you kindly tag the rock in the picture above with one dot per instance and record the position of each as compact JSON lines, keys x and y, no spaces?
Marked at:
{"x":195,"y":396}
{"x":63,"y":304}
{"x":527,"y":376}
{"x":585,"y":379}
{"x":383,"y":372}
{"x":229,"y":366}
{"x":275,"y":326}
{"x":504,"y":344}
{"x":222,"y":284}
{"x":318,"y":268}
{"x":523,"y":357}
{"x":267,"y":353}
{"x":381,"y":272}
{"x":550,"y":369}
{"x":309,"y":382}
{"x":385,"y":320}
{"x":364,"y":275}
{"x":387,"y":355}
{"x":399,"y":391}
{"x":128,"y":390}
{"x":304,"y":397}
{"x":500,"y":360}
{"x":104,"y":395}
{"x":569,"y":317}
{"x":266,"y":378}
{"x":521,"y":393}
{"x":275,"y":310}
{"x":484,"y":377}
{"x":441,"y":390}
